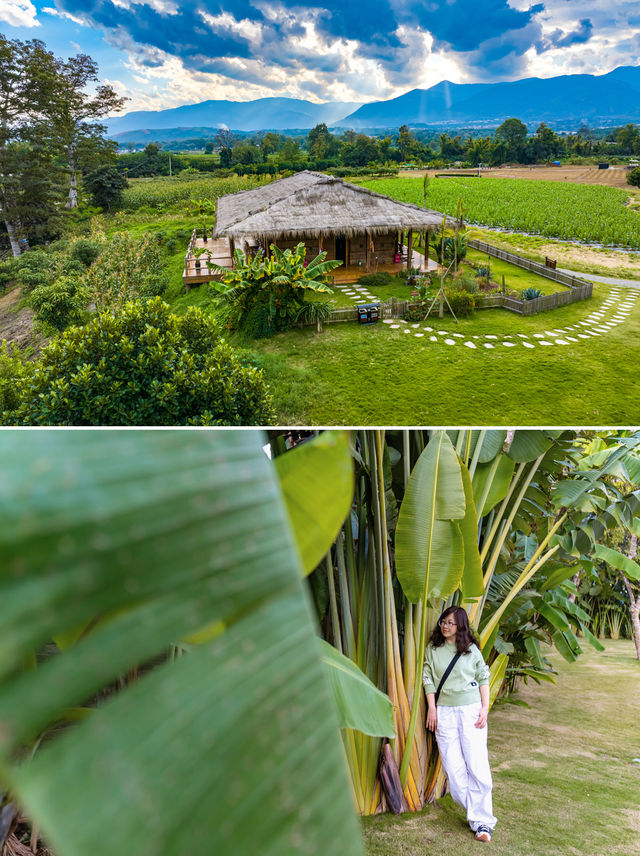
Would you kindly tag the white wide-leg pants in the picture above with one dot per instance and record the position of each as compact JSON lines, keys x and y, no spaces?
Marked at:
{"x":463,"y":750}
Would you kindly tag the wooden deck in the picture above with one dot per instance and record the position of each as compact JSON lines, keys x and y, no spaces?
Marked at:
{"x":218,"y":251}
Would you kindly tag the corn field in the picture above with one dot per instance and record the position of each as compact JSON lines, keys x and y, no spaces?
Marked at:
{"x":570,"y":212}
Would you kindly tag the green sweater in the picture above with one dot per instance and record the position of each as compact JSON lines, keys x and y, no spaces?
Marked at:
{"x":462,"y":685}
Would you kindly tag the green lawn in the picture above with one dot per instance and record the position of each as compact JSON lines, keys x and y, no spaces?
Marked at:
{"x":372,"y":375}
{"x":565,"y":783}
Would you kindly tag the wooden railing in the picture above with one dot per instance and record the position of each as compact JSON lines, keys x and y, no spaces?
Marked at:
{"x":535,"y":267}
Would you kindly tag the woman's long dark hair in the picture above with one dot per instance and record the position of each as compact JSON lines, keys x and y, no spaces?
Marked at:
{"x":464,"y":635}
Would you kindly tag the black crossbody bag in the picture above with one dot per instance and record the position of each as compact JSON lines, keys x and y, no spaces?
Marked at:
{"x":447,"y":672}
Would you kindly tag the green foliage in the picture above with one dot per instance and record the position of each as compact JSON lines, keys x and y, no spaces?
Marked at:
{"x":13,"y":372}
{"x":633,"y":177}
{"x":127,"y":268}
{"x":106,"y":185}
{"x":61,"y":303}
{"x":85,"y":250}
{"x":375,"y":280}
{"x":554,"y":209}
{"x":145,"y":539}
{"x":263,"y":296}
{"x":531,"y":293}
{"x":33,"y":269}
{"x":450,"y":242}
{"x":144,"y":366}
{"x":462,"y":303}
{"x":168,"y":192}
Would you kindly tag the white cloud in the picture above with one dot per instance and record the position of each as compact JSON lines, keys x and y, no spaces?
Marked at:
{"x":57,"y":14}
{"x":19,"y":13}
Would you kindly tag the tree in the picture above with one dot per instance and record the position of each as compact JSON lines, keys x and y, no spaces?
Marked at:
{"x":208,"y":147}
{"x":405,"y":142}
{"x":105,"y":184}
{"x":143,"y":366}
{"x":27,"y":81}
{"x":321,"y":144}
{"x":74,"y":112}
{"x":514,"y":133}
{"x":290,"y":152}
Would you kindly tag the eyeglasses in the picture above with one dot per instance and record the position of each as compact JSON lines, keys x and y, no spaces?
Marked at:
{"x":448,"y":624}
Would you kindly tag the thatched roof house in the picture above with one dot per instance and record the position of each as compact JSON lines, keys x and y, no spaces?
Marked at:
{"x":350,"y":223}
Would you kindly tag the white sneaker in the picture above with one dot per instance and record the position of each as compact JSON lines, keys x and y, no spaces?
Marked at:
{"x":483,"y":833}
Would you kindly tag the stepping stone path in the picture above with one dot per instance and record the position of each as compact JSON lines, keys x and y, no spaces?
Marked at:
{"x":615,"y":310}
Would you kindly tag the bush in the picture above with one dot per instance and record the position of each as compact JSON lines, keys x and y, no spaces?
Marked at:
{"x":375,"y":280}
{"x":143,"y":367}
{"x":462,"y":303}
{"x":85,"y":251}
{"x":415,"y":314}
{"x":13,"y":372}
{"x":531,"y":293}
{"x":60,"y":304}
{"x":633,"y":177}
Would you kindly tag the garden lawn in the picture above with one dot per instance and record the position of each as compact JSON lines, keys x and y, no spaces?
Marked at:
{"x":372,"y":375}
{"x":565,"y":783}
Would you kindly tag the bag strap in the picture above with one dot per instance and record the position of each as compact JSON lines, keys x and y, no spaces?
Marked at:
{"x":447,"y":672}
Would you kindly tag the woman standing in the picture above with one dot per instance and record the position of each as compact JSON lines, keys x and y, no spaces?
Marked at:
{"x":458,"y":713}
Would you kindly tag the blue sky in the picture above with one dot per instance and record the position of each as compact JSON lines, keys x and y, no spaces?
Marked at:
{"x":163,"y":53}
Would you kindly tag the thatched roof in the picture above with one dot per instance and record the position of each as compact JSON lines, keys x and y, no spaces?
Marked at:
{"x":311,"y":203}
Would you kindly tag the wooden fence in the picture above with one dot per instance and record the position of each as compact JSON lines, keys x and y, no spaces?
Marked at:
{"x":535,"y":267}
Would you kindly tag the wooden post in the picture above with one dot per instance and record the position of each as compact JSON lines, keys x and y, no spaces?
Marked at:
{"x":409,"y":248}
{"x":426,"y":250}
{"x":367,"y":244}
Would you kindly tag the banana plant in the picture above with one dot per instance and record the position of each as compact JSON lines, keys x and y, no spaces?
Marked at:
{"x":166,"y":536}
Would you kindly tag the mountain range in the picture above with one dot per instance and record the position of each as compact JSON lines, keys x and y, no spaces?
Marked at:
{"x":572,"y":99}
{"x":262,"y":114}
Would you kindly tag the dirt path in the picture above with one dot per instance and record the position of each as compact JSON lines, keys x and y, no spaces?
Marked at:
{"x":615,"y":176}
{"x":16,"y":322}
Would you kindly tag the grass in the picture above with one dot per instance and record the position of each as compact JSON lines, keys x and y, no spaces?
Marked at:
{"x":564,"y":779}
{"x":371,"y":375}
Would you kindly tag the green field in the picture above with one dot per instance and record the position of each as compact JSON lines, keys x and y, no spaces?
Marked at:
{"x":565,"y":783}
{"x":572,"y":212}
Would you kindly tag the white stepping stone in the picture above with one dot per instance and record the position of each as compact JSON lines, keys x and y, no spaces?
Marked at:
{"x":539,"y":335}
{"x":470,"y":345}
{"x":476,"y":337}
{"x":523,"y":335}
{"x":490,"y":336}
{"x":442,"y":333}
{"x":394,"y":326}
{"x":415,"y":325}
{"x":387,"y":321}
{"x":433,"y":338}
{"x":571,"y":339}
{"x":418,"y":334}
{"x":544,"y":342}
{"x":406,"y":330}
{"x":488,"y":345}
{"x":449,"y":341}
{"x":458,"y":335}
{"x":509,"y":344}
{"x":528,"y":345}
{"x":428,"y":329}
{"x":560,"y":342}
{"x":582,"y":336}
